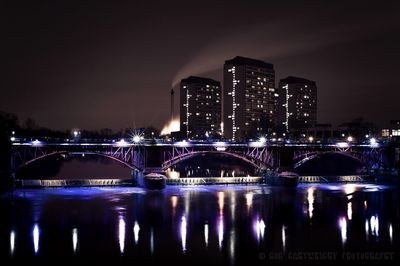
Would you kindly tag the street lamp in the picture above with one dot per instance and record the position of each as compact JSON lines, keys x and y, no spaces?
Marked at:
{"x":136,"y":138}
{"x":373,"y":142}
{"x":349,"y":139}
{"x":310,"y":138}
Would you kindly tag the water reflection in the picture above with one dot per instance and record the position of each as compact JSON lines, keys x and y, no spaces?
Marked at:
{"x":349,"y":211}
{"x":206,"y":234}
{"x":232,"y":242}
{"x":249,"y":200}
{"x":74,"y":239}
{"x":174,"y":203}
{"x":284,"y":238}
{"x":374,"y":225}
{"x":221,"y":202}
{"x":12,"y":242}
{"x":227,"y":223}
{"x":259,"y":229}
{"x":343,"y":229}
{"x":183,"y":232}
{"x":136,"y":230}
{"x":121,"y":234}
{"x":152,"y":241}
{"x":35,"y":234}
{"x":220,"y":231}
{"x":310,"y":201}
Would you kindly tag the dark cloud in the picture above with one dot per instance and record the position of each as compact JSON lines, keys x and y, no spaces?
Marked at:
{"x":104,"y":64}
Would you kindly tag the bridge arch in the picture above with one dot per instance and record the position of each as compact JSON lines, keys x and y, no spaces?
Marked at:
{"x":257,"y":164}
{"x":316,"y":155}
{"x":35,"y":159}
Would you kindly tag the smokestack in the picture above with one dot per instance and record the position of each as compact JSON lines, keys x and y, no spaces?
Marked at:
{"x":172,"y":104}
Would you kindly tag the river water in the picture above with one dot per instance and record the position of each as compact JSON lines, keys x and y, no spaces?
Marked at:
{"x":228,"y":225}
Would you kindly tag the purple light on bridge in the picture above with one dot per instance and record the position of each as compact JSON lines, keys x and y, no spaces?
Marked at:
{"x":342,"y":145}
{"x":182,"y":144}
{"x":122,"y":143}
{"x":220,"y":145}
{"x":36,"y":142}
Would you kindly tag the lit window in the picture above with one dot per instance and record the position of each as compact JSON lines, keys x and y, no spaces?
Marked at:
{"x":396,"y":132}
{"x":385,"y":132}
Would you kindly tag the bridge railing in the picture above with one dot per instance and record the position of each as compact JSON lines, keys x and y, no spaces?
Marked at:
{"x":215,"y":180}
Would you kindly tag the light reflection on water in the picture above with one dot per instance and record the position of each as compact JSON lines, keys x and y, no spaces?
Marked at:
{"x":74,"y":239}
{"x":217,"y":222}
{"x":35,"y":234}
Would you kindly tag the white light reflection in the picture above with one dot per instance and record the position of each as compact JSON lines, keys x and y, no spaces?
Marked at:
{"x":183,"y":232}
{"x":391,"y":233}
{"x":206,"y":234}
{"x":74,"y":239}
{"x":121,"y":234}
{"x":260,"y":229}
{"x":221,"y":202}
{"x":374,"y":224}
{"x":343,"y":229}
{"x":349,"y":211}
{"x":152,"y":240}
{"x":232,"y":241}
{"x":174,"y":203}
{"x":36,"y":238}
{"x":349,"y":189}
{"x":233,"y":205}
{"x":12,"y":242}
{"x":249,"y":200}
{"x":366,"y":228}
{"x":136,"y":230}
{"x":283,"y":238}
{"x":310,"y":200}
{"x":220,"y":231}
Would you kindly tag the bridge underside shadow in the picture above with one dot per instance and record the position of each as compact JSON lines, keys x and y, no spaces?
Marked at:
{"x":74,"y":166}
{"x":331,"y":164}
{"x":213,"y":165}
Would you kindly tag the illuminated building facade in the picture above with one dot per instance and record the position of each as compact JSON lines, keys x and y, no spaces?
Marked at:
{"x":200,"y":107}
{"x":297,"y":103}
{"x":249,"y":108}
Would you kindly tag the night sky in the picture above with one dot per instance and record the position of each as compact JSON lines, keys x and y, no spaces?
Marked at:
{"x":95,"y":65}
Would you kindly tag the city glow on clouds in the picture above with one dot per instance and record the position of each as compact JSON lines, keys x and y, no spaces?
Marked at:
{"x":171,"y":126}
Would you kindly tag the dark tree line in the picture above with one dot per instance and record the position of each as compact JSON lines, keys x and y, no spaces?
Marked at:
{"x":31,"y":130}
